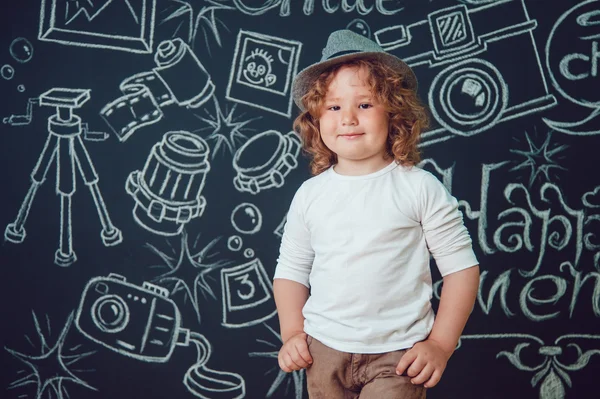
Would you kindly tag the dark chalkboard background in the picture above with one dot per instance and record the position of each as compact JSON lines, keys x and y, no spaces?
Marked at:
{"x":159,"y":283}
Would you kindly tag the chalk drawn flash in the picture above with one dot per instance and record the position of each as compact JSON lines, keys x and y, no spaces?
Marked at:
{"x":201,"y":17}
{"x":226,"y":128}
{"x":539,"y":159}
{"x":51,"y":370}
{"x":189,"y":271}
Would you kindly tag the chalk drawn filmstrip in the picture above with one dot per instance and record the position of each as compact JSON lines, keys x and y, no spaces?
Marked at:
{"x":146,"y":93}
{"x":88,"y":24}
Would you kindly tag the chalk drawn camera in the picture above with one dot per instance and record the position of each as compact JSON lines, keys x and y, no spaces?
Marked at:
{"x":482,"y":63}
{"x":139,"y":322}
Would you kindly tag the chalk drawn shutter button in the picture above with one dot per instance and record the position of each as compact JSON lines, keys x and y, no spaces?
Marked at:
{"x":469,"y":97}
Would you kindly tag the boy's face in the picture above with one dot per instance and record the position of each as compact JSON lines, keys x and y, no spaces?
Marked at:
{"x":353,"y":124}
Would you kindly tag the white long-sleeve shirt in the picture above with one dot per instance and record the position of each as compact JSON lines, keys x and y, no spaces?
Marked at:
{"x":362,"y":245}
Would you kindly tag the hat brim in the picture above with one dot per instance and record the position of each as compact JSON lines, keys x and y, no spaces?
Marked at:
{"x":306,"y":77}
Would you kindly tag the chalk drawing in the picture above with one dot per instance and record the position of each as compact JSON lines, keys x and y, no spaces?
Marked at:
{"x":552,"y":373}
{"x":168,"y":191}
{"x":234,"y":243}
{"x":280,"y":227}
{"x":189,"y":271}
{"x":52,"y":369}
{"x":146,"y":93}
{"x":538,"y":220}
{"x":280,"y":153}
{"x":571,"y":58}
{"x":360,"y":26}
{"x":143,"y":323}
{"x":308,"y":7}
{"x":110,"y":24}
{"x":65,"y":147}
{"x":21,"y":50}
{"x":470,"y":94}
{"x":225,"y":128}
{"x":263,"y":65}
{"x":539,"y":159}
{"x":202,"y":18}
{"x":7,"y":72}
{"x":246,"y":286}
{"x":591,"y":199}
{"x":246,"y":218}
{"x":295,"y":378}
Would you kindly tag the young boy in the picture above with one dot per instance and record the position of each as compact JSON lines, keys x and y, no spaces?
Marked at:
{"x":360,"y":233}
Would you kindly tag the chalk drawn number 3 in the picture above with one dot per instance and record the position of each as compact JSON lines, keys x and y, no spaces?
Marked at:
{"x":244,"y":281}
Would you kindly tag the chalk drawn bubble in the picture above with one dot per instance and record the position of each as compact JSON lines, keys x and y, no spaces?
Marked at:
{"x":21,"y":88}
{"x":7,"y":72}
{"x":246,"y":218}
{"x":249,"y":253}
{"x":234,"y":243}
{"x":21,"y":50}
{"x":360,"y":26}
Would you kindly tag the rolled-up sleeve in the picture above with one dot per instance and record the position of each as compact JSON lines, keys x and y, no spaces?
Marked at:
{"x":445,"y":233}
{"x":295,"y":252}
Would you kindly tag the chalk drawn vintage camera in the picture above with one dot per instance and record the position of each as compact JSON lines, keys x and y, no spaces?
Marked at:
{"x":482,"y":63}
{"x":139,"y":322}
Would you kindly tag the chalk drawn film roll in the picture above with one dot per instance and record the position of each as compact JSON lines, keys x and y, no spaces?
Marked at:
{"x":167,"y":192}
{"x":183,"y":74}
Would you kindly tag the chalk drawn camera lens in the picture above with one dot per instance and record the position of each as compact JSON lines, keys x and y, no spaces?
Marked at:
{"x":110,"y":313}
{"x":168,"y":190}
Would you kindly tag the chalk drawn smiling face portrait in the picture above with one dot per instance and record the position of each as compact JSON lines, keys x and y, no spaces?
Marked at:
{"x":258,"y":69}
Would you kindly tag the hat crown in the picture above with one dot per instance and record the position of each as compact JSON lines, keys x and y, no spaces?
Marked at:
{"x":346,"y":42}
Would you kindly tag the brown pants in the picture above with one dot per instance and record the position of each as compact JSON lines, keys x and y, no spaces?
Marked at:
{"x":340,"y":375}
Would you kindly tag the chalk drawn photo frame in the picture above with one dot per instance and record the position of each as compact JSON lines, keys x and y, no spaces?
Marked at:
{"x":83,"y":23}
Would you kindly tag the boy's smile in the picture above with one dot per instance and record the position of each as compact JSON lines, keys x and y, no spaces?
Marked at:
{"x":353,"y":124}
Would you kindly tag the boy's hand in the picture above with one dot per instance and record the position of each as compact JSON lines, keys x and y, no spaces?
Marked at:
{"x":294,"y":354}
{"x":424,"y":362}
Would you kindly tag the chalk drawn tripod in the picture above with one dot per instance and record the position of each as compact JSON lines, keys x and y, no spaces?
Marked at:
{"x":65,"y":147}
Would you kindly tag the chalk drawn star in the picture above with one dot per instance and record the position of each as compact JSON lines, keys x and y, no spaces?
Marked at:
{"x":295,"y":377}
{"x":202,"y":16}
{"x":539,"y":159}
{"x":50,"y":370}
{"x":188,"y":271}
{"x":226,"y":130}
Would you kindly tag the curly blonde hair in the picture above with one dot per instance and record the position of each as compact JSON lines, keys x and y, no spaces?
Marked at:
{"x":408,"y":117}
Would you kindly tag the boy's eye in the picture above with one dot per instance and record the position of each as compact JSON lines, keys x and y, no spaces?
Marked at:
{"x":365,"y":105}
{"x":334,"y":108}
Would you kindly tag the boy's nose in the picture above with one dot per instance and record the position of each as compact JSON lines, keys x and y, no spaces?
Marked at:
{"x":348,"y":118}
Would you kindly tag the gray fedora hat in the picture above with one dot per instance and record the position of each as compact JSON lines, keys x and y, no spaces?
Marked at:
{"x":344,"y":45}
